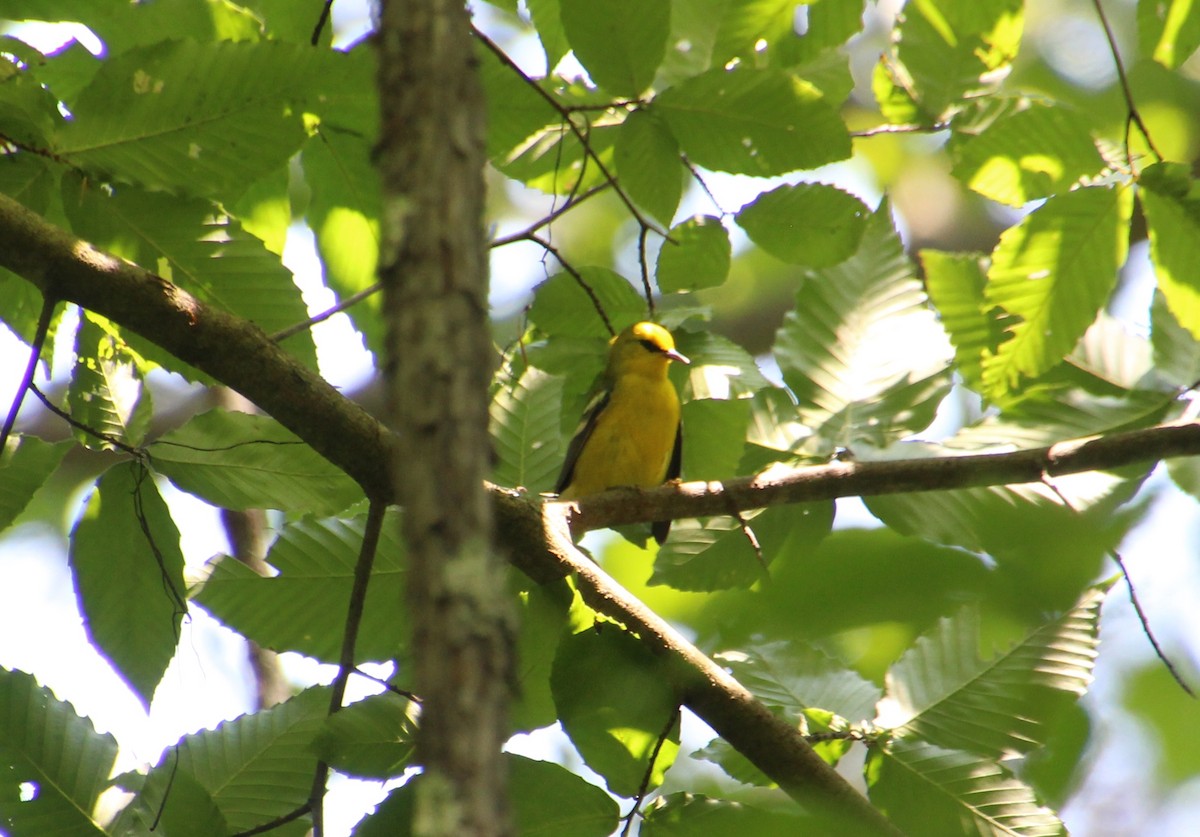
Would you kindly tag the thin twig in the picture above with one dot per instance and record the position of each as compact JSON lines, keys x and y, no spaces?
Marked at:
{"x":353,"y":299}
{"x":1134,"y":115}
{"x":644,"y":788}
{"x":569,"y":268}
{"x":354,"y":613}
{"x":695,"y":173}
{"x":35,"y":352}
{"x":554,"y":215}
{"x":1133,"y":598}
{"x":645,"y":271}
{"x":278,"y":822}
{"x":321,"y":21}
{"x":78,"y":425}
{"x":495,"y":49}
{"x":879,"y":130}
{"x":391,"y":687}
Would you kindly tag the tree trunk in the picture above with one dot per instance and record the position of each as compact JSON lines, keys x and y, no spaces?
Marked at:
{"x":434,"y":270}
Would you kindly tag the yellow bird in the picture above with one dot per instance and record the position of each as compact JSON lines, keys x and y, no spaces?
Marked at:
{"x":630,"y":434}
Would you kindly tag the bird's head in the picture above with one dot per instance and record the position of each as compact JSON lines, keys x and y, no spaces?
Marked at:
{"x":643,"y":348}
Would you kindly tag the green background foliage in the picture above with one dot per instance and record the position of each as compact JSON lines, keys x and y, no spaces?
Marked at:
{"x":905,"y":236}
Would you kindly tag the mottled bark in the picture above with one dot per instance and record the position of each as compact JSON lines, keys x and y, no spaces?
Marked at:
{"x":434,"y":270}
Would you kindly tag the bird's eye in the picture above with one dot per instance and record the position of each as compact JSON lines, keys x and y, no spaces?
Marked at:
{"x":650,"y":345}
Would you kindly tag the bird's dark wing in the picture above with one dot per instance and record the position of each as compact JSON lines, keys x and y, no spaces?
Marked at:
{"x":661,"y":528}
{"x":582,"y":433}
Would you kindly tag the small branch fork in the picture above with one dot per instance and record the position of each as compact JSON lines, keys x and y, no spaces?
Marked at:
{"x":1133,"y":115}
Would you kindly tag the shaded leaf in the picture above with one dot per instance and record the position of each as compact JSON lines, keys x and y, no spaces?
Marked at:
{"x":242,"y":461}
{"x":809,"y":223}
{"x":25,"y":464}
{"x":125,"y":548}
{"x":53,"y":756}
{"x":697,"y":256}
{"x":564,"y":306}
{"x":620,"y":47}
{"x":648,"y":164}
{"x":370,"y":739}
{"x":525,"y":431}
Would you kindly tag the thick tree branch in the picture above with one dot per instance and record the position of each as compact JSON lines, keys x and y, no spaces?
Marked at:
{"x":240,"y":355}
{"x":860,"y":479}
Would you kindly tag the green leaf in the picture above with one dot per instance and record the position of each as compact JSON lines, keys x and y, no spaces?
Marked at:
{"x":748,"y":27}
{"x":955,"y":283}
{"x":1029,"y":154}
{"x":1151,"y":695}
{"x":303,"y":607}
{"x":716,"y":554}
{"x":106,"y":393}
{"x":195,"y":118}
{"x":370,"y":739}
{"x":696,"y":256}
{"x":925,"y":789}
{"x":621,"y":47}
{"x":808,"y":223}
{"x":543,"y":618}
{"x":1169,"y":30}
{"x":52,"y":756}
{"x":563,"y":305}
{"x":547,"y":20}
{"x":614,"y":703}
{"x":30,"y":112}
{"x":124,"y":549}
{"x":344,"y":216}
{"x":256,"y":767}
{"x":1176,"y":353}
{"x":549,"y":800}
{"x":242,"y":461}
{"x":757,"y":122}
{"x":25,"y":464}
{"x":948,"y":52}
{"x":169,"y":802}
{"x":714,"y":433}
{"x":1051,"y":273}
{"x":648,"y":164}
{"x":791,"y":677}
{"x":526,"y":431}
{"x":1172,"y":208}
{"x":193,"y":244}
{"x":837,"y":349}
{"x":719,"y":369}
{"x":516,"y":112}
{"x":685,"y":814}
{"x":944,"y":693}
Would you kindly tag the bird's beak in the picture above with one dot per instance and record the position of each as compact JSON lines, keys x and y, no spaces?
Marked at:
{"x":674,"y":355}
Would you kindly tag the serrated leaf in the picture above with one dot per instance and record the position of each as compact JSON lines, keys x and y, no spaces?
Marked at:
{"x":1029,"y":154}
{"x":1173,"y":222}
{"x":1175,"y":352}
{"x":1051,"y":273}
{"x":25,"y":464}
{"x":258,"y":766}
{"x":809,"y":223}
{"x":242,"y":461}
{"x":716,"y":554}
{"x":303,"y":607}
{"x":719,"y":367}
{"x":562,"y":305}
{"x":925,"y":789}
{"x":196,"y":246}
{"x":943,"y":692}
{"x":696,"y":256}
{"x":54,"y":756}
{"x":620,"y":46}
{"x":125,"y":548}
{"x":106,"y":393}
{"x":169,"y":802}
{"x":757,"y":122}
{"x":648,"y":164}
{"x":525,"y":431}
{"x":791,"y":677}
{"x":614,"y":703}
{"x":955,"y":283}
{"x":837,"y":349}
{"x":196,"y":118}
{"x":370,"y":739}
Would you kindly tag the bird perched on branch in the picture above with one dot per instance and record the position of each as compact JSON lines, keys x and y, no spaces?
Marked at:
{"x":630,"y":434}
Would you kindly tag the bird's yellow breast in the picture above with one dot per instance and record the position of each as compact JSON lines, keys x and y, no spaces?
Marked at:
{"x":633,"y":439}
